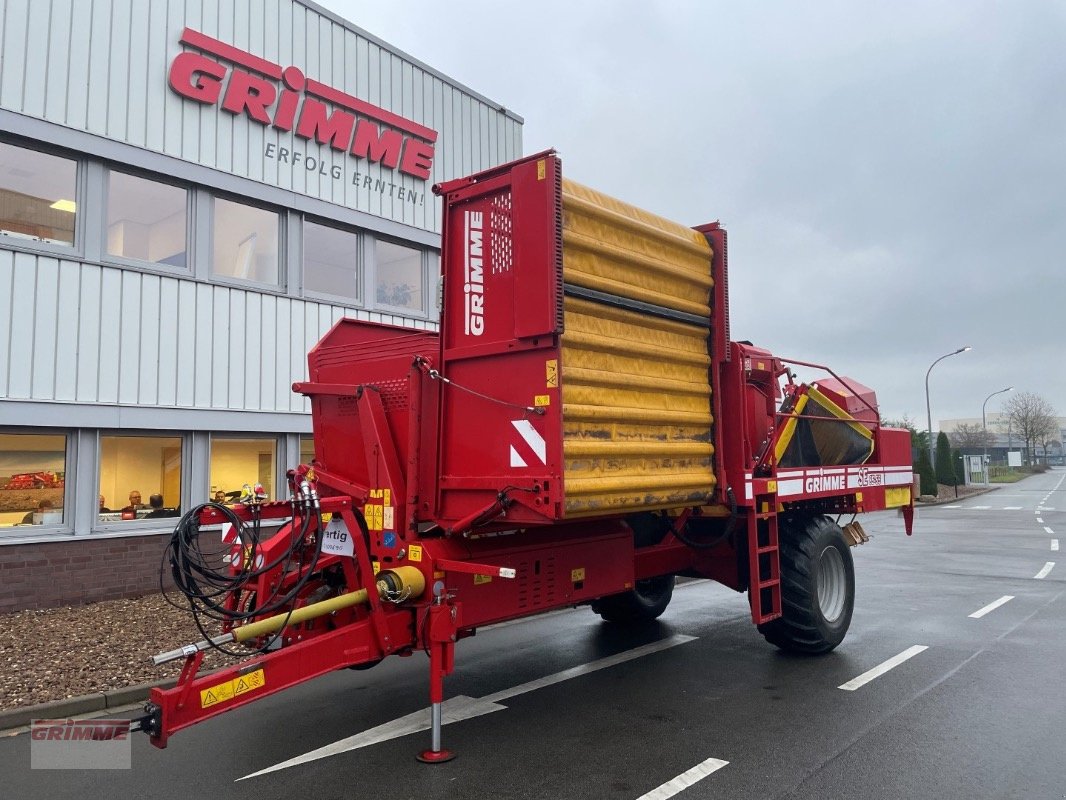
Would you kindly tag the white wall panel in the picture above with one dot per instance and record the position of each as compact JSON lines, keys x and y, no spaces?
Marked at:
{"x":106,"y":335}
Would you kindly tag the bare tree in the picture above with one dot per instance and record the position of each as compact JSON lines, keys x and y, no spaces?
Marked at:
{"x":970,"y":434}
{"x":1032,"y":417}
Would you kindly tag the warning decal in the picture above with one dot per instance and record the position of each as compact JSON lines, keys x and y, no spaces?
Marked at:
{"x":222,"y":692}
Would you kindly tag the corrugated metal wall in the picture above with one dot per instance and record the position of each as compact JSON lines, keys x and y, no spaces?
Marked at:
{"x":84,"y":333}
{"x":102,"y":66}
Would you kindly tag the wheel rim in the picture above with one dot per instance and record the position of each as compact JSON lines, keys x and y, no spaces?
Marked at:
{"x":832,"y":584}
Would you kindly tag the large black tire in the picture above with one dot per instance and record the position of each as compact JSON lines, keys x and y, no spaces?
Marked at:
{"x":817,"y":587}
{"x":643,"y":603}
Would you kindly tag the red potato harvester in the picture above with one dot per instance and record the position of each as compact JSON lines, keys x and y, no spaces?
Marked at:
{"x":581,"y":431}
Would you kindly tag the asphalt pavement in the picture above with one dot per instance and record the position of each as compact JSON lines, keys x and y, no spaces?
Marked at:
{"x":952,"y":677}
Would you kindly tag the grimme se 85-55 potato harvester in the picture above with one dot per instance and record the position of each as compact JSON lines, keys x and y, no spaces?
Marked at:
{"x":581,"y":431}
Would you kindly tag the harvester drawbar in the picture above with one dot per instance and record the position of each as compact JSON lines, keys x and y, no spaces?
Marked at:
{"x":580,"y":431}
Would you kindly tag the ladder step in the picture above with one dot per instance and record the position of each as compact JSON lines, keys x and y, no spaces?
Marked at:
{"x":771,"y":549}
{"x":769,"y":583}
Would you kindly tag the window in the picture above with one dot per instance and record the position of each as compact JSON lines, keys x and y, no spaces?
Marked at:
{"x":307,"y":449}
{"x":146,"y":220}
{"x":32,"y":478}
{"x":140,"y":477}
{"x":399,"y":275}
{"x":331,"y":261}
{"x":37,"y":195}
{"x":236,"y":462}
{"x":246,"y":242}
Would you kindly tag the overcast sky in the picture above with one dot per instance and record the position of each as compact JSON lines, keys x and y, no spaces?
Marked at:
{"x":892,"y":175}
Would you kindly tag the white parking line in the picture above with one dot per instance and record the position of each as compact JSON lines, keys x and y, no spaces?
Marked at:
{"x":684,"y":780}
{"x":1054,"y":544}
{"x":1044,"y":570}
{"x":1012,"y":508}
{"x":881,"y":669}
{"x":1046,"y":528}
{"x":980,"y":508}
{"x":1040,"y":520}
{"x":991,"y":606}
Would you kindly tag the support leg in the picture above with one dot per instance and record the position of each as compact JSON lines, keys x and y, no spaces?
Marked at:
{"x":442,"y":628}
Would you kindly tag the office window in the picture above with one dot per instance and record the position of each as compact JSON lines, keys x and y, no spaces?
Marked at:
{"x":32,"y":478}
{"x":140,"y":477}
{"x":331,"y":261}
{"x":37,"y":195}
{"x":246,"y":242}
{"x":146,"y":220}
{"x":399,"y":275}
{"x":236,"y":462}
{"x":307,"y":449}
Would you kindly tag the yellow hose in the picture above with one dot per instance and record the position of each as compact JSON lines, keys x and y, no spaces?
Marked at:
{"x":411,"y":584}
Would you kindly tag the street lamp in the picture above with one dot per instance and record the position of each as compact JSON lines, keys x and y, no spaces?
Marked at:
{"x":928,"y":408}
{"x":984,"y":428}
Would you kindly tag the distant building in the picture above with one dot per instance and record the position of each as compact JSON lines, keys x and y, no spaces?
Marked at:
{"x":1004,"y":438}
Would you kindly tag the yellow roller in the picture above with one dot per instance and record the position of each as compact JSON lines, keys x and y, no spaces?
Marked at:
{"x":635,"y":386}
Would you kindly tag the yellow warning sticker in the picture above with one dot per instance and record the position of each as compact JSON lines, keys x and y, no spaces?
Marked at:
{"x":541,"y":170}
{"x":480,"y":579}
{"x":386,"y":496}
{"x":577,"y":574}
{"x":222,"y":692}
{"x":375,"y":518}
{"x":540,"y":400}
{"x":551,"y":373}
{"x":415,"y":553}
{"x":376,"y":566}
{"x":248,"y":683}
{"x":375,"y":494}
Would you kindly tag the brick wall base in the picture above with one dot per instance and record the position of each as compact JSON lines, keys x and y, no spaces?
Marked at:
{"x":73,"y":572}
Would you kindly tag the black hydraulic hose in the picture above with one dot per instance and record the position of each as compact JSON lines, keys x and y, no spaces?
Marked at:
{"x":205,"y":577}
{"x":729,"y":526}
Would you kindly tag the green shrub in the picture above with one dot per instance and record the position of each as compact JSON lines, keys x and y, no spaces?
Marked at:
{"x":927,"y":477}
{"x":945,"y":472}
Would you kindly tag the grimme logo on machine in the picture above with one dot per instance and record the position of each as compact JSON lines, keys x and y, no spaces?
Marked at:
{"x":474,"y":276}
{"x":353,"y":126}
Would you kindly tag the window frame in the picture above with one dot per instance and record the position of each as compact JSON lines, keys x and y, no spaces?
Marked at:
{"x":371,"y":278}
{"x":212,"y":277}
{"x":278,"y":491}
{"x":81,"y":169}
{"x":70,"y":454}
{"x":154,"y":267}
{"x":361,"y":237}
{"x":138,"y":525}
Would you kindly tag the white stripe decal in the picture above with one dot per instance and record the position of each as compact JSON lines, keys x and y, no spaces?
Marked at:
{"x":881,"y":669}
{"x":517,"y":460}
{"x":786,"y":488}
{"x":684,"y":780}
{"x":1044,"y":570}
{"x":991,"y":606}
{"x":1046,"y":528}
{"x":533,"y":439}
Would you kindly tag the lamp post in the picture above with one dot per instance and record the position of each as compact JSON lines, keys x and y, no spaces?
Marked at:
{"x":928,"y":408}
{"x":984,"y":429}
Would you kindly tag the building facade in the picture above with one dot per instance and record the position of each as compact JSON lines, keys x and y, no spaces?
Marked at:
{"x":191,"y":194}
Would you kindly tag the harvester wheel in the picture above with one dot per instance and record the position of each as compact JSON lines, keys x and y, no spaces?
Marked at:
{"x":817,"y":587}
{"x":643,"y":603}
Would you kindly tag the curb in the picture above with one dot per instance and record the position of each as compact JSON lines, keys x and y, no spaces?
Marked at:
{"x":978,"y":493}
{"x":83,"y":704}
